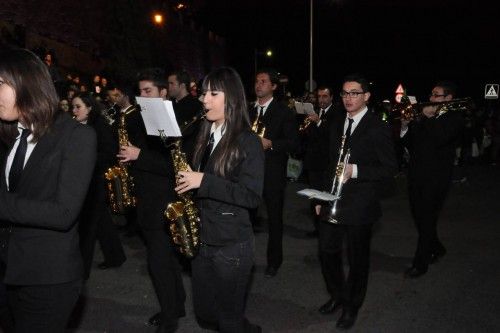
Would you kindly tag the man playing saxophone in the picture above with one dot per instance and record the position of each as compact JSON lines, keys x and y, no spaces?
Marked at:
{"x":154,"y":183}
{"x":372,"y":159}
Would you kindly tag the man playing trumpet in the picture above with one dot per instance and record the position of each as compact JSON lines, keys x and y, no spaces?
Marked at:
{"x":372,"y":159}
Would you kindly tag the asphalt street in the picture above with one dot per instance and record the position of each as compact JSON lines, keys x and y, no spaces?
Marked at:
{"x":460,"y":293}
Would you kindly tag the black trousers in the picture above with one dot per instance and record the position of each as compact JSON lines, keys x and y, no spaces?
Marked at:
{"x":316,"y":180}
{"x":220,"y":280}
{"x":350,"y":291}
{"x":96,"y":223}
{"x":165,"y":274}
{"x":426,"y":201}
{"x":42,"y":308}
{"x":274,"y":198}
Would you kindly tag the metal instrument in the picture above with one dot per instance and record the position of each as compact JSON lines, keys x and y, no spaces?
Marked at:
{"x":109,"y":114}
{"x":410,"y":112}
{"x":120,"y":184}
{"x":258,"y":127}
{"x":338,"y":181}
{"x":182,"y":214}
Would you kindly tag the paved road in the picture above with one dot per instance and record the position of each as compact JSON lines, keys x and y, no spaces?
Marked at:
{"x":459,"y":294}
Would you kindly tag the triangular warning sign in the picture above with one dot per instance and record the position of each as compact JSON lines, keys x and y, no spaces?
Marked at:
{"x":492,"y":92}
{"x":399,"y":89}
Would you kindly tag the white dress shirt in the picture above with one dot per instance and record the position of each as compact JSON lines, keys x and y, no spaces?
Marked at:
{"x":356,"y":119}
{"x":29,"y":150}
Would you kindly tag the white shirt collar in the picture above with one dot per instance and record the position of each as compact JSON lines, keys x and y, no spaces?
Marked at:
{"x":265,"y":105}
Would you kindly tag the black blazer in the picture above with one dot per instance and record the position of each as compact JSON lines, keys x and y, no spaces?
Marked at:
{"x":282,"y":130}
{"x":318,"y":141}
{"x":153,"y":174}
{"x":41,"y":216}
{"x":372,"y":150}
{"x":432,"y":143}
{"x":224,"y":201}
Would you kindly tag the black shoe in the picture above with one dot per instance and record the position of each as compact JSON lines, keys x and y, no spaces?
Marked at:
{"x":155,"y":320}
{"x":414,"y":272}
{"x":329,"y":307}
{"x":347,"y":319}
{"x":106,"y":265}
{"x":436,"y":256}
{"x":312,"y":234}
{"x":270,"y":272}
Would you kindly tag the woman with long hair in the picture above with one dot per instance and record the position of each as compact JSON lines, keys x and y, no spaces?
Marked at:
{"x":229,"y":164}
{"x":46,"y":170}
{"x":95,"y":218}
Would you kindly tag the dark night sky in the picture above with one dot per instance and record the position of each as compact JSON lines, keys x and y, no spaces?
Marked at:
{"x":413,"y":42}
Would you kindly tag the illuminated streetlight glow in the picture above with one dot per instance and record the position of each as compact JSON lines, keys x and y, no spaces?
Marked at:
{"x":269,"y":53}
{"x":158,"y":18}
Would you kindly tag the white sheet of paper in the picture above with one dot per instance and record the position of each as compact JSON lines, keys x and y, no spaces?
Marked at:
{"x":158,"y":115}
{"x":315,"y":194}
{"x":308,"y":108}
{"x":304,"y":108}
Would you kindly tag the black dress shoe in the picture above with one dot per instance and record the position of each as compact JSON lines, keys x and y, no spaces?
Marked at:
{"x":155,"y":320}
{"x":270,"y":272}
{"x":414,"y":272}
{"x":436,"y":256}
{"x":347,"y":319}
{"x":312,"y":234}
{"x":329,"y":307}
{"x":106,"y":265}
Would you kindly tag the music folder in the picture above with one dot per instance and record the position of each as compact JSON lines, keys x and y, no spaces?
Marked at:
{"x":159,"y":117}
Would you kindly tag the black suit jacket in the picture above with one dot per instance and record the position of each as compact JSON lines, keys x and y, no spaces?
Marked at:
{"x":41,"y":215}
{"x":224,"y":202}
{"x":318,"y":141}
{"x":282,"y":130}
{"x":372,"y":150}
{"x":432,"y":143}
{"x":153,"y":174}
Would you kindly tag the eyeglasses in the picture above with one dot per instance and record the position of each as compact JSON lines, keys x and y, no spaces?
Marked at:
{"x":351,"y":94}
{"x":437,"y":95}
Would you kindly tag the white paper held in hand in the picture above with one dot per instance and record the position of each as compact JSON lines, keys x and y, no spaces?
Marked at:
{"x":315,"y":194}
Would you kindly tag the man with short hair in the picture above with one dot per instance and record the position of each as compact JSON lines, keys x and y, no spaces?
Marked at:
{"x":317,"y":135}
{"x":279,"y":139}
{"x":186,"y":108}
{"x":372,"y":160}
{"x":431,"y":140}
{"x":154,"y":183}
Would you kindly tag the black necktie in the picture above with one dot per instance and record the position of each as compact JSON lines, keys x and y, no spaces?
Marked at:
{"x":348,"y":132}
{"x":208,"y":151}
{"x":16,"y":169}
{"x":321,"y":114}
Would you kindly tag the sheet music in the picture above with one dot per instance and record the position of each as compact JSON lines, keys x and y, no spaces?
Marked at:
{"x":158,"y":115}
{"x":304,"y":108}
{"x":315,"y":194}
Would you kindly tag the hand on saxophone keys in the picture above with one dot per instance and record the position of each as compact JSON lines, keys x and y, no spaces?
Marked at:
{"x":128,"y":153}
{"x":266,"y":143}
{"x":188,"y":180}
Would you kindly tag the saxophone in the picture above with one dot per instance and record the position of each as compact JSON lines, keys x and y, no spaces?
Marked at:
{"x":182,"y":214}
{"x":120,"y":183}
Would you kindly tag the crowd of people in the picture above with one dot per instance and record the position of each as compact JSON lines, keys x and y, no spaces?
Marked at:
{"x":55,"y":196}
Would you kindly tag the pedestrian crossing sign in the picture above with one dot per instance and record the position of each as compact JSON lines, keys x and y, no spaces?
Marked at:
{"x":491,"y":91}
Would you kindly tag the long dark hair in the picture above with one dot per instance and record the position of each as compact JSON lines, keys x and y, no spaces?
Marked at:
{"x":228,"y":81}
{"x":36,"y":97}
{"x":91,"y":103}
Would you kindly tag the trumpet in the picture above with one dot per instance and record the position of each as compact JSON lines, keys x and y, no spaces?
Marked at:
{"x":305,"y":124}
{"x":410,"y":112}
{"x":338,"y":181}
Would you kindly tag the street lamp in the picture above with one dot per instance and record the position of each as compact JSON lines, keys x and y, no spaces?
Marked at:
{"x":158,"y":18}
{"x":268,"y":53}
